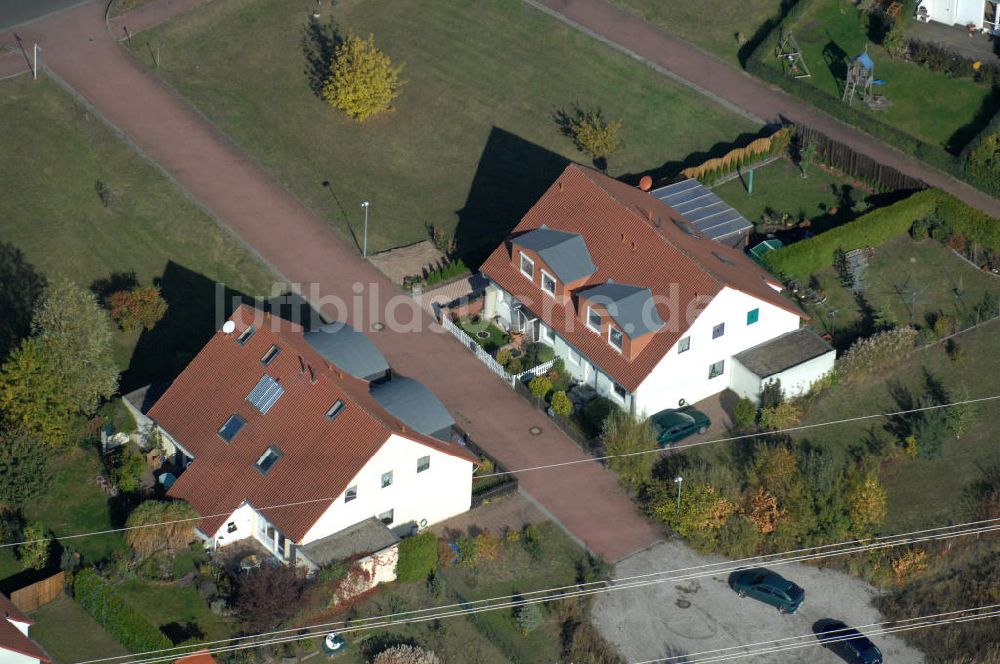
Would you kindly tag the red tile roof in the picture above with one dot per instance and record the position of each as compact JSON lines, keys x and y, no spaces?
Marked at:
{"x":634,"y":239}
{"x":197,"y":657}
{"x":11,"y":637}
{"x":320,"y":456}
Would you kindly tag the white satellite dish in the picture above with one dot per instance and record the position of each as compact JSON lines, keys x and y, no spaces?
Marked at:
{"x":228,"y":327}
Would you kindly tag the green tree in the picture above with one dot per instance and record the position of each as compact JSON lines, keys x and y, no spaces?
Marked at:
{"x":592,"y":133}
{"x":702,"y":508}
{"x":744,"y":415}
{"x":24,"y":468}
{"x":540,"y":387}
{"x":625,"y":435}
{"x":157,"y":525}
{"x":781,"y":416}
{"x":20,"y":288}
{"x":37,"y":547}
{"x":561,"y":404}
{"x":866,"y":504}
{"x":32,"y":397}
{"x":362,"y":82}
{"x":962,"y":416}
{"x":930,"y":428}
{"x":528,"y":617}
{"x":127,"y":469}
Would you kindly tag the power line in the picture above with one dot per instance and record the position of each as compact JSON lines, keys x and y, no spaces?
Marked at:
{"x":891,"y":627}
{"x":525,"y":470}
{"x":580,"y":590}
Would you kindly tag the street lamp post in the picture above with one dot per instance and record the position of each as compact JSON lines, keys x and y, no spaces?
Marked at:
{"x":364,"y":250}
{"x":678,"y":481}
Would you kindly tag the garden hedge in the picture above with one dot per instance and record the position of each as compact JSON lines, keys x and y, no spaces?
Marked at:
{"x":132,"y":629}
{"x":418,"y":557}
{"x":799,"y":260}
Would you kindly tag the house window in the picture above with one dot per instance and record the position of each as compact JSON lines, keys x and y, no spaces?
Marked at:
{"x":753,"y":316}
{"x":423,"y":463}
{"x":386,"y":517}
{"x":527,"y":266}
{"x":386,"y":479}
{"x":231,"y":527}
{"x":548,"y":283}
{"x":716,"y":369}
{"x":574,"y":357}
{"x":271,"y":353}
{"x":268,"y":459}
{"x":245,"y":335}
{"x":335,"y":409}
{"x":547,"y":333}
{"x":593,"y":319}
{"x":684,"y":345}
{"x":615,"y":337}
{"x":620,"y":392}
{"x":351,"y":493}
{"x":232,"y":427}
{"x":718,"y":330}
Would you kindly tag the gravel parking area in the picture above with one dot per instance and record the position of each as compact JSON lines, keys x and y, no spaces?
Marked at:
{"x":678,"y":618}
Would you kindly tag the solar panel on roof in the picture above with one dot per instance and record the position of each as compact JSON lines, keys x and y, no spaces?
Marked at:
{"x":703,"y":208}
{"x":265,"y":394}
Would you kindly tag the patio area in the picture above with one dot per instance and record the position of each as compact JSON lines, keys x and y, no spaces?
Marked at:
{"x":978,"y":46}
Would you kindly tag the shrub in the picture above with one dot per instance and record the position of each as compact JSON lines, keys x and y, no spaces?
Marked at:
{"x":270,"y":596}
{"x":139,"y":308}
{"x":418,"y":557}
{"x":781,"y":416}
{"x":772,"y":394}
{"x":591,"y":133}
{"x":559,"y":366}
{"x":594,"y":413}
{"x":631,"y":444}
{"x":37,"y":548}
{"x":435,"y":584}
{"x":362,"y":80}
{"x":561,"y":404}
{"x":515,"y":366}
{"x":540,"y":386}
{"x":744,"y":414}
{"x":702,"y":509}
{"x":333,"y":572}
{"x":528,"y":617}
{"x":877,"y":352}
{"x":537,"y":353}
{"x":128,"y":467}
{"x":132,"y":629}
{"x":983,"y":163}
{"x":866,"y":504}
{"x":531,"y":540}
{"x":487,"y":547}
{"x":943,"y":325}
{"x":504,"y":356}
{"x":24,"y":467}
{"x":146,"y":541}
{"x":405,"y":653}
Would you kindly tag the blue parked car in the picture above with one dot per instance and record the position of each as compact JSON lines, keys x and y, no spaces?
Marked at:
{"x":768,"y":587}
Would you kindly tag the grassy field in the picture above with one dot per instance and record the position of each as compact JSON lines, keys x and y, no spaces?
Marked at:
{"x":56,"y":154}
{"x":472,"y":142}
{"x":711,"y":24}
{"x":69,"y":634}
{"x":779,"y":187}
{"x":928,"y":105}
{"x":910,"y":280}
{"x":180,"y":613}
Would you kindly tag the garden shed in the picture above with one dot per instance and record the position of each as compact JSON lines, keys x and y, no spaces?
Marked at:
{"x":798,"y":359}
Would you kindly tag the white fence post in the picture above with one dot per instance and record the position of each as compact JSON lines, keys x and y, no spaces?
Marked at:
{"x":480,"y":352}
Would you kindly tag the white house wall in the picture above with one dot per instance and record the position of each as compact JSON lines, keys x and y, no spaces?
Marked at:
{"x":745,"y":383}
{"x":11,"y":657}
{"x":952,"y":12}
{"x":685,"y":375}
{"x":441,"y":491}
{"x":797,"y":380}
{"x":244,"y":518}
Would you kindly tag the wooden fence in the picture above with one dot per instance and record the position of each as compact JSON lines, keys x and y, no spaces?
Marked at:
{"x":843,"y":157}
{"x":39,"y":593}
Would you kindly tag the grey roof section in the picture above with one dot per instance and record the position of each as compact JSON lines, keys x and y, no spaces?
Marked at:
{"x":711,"y":215}
{"x":632,"y":307}
{"x":350,"y":350}
{"x":781,"y":353}
{"x":361,"y":539}
{"x":566,"y":253}
{"x":415,"y":405}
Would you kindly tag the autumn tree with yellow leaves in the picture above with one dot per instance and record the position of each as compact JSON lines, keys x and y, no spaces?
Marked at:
{"x":363,"y":81}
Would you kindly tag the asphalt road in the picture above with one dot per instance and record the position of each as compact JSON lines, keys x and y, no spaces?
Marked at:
{"x":685,"y":617}
{"x":17,"y":12}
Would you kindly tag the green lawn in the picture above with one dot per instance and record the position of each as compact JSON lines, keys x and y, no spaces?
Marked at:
{"x":69,"y":634}
{"x":928,"y":105}
{"x":778,"y":187}
{"x":472,"y":142}
{"x":180,"y":613}
{"x":711,"y":24}
{"x":922,"y":493}
{"x":73,"y":503}
{"x":56,"y":153}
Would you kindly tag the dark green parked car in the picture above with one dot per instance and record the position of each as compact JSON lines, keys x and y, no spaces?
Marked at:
{"x":768,"y":587}
{"x":672,"y":425}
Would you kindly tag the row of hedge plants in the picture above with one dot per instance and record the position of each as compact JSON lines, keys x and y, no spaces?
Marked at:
{"x":100,"y":599}
{"x":800,"y":260}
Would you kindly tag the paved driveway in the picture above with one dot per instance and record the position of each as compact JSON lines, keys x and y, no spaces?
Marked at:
{"x":584,"y":497}
{"x":649,"y":623}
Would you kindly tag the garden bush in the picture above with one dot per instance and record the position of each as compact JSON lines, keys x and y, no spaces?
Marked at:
{"x":132,"y":629}
{"x":593,"y":415}
{"x":528,"y":617}
{"x":879,"y":351}
{"x":540,"y":387}
{"x":561,"y":405}
{"x":537,"y":353}
{"x":418,"y":557}
{"x":744,"y":414}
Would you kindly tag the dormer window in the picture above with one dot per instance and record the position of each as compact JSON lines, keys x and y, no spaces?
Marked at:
{"x":593,"y":320}
{"x":269,"y":356}
{"x":245,"y":335}
{"x":527,"y":266}
{"x":548,"y":283}
{"x":268,"y":459}
{"x":615,"y":337}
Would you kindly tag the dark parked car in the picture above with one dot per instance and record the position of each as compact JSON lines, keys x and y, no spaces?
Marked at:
{"x":672,"y":425}
{"x":850,"y":644}
{"x":768,"y":587}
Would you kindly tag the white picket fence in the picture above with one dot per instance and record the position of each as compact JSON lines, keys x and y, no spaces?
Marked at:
{"x":488,"y":359}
